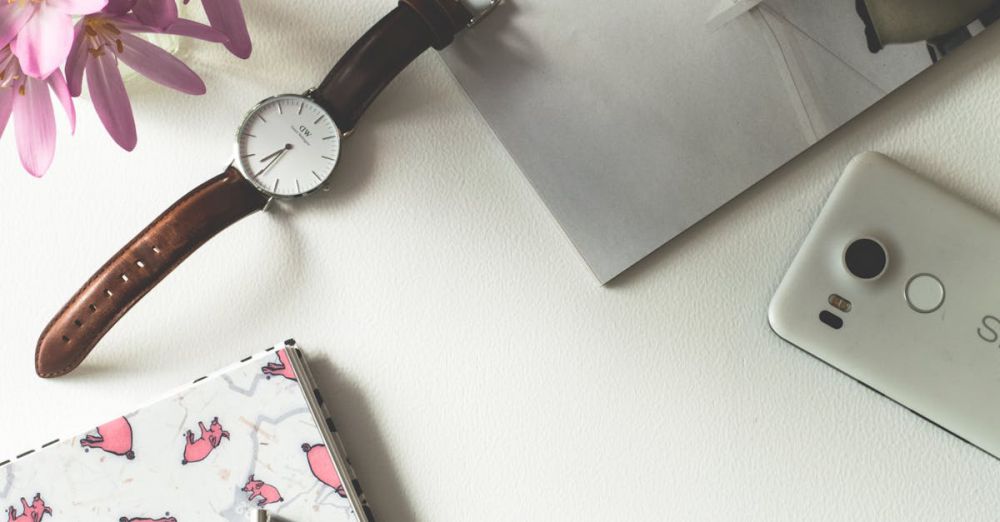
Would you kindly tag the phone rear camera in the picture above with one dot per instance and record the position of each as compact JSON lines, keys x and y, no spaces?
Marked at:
{"x":866,"y":259}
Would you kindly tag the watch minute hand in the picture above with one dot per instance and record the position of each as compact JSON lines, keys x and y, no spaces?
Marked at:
{"x":280,"y":154}
{"x":269,"y":156}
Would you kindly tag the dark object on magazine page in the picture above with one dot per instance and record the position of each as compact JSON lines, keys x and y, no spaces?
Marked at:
{"x":943,"y":25}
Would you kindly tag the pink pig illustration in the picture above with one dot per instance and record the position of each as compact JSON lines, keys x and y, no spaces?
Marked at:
{"x":281,"y":368}
{"x":126,"y":519}
{"x":114,"y":437}
{"x":198,"y":450}
{"x":322,"y":467}
{"x":32,"y":512}
{"x":257,"y":488}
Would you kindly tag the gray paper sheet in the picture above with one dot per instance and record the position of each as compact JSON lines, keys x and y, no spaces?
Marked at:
{"x":635,"y":120}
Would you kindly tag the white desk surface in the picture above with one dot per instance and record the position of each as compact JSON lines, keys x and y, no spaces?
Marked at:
{"x":475,"y":368}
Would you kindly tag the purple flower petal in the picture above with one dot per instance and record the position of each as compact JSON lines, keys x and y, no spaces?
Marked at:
{"x":44,"y":42}
{"x":76,"y":7}
{"x":76,"y":61}
{"x":58,"y":85}
{"x":129,"y":23}
{"x":183,"y":27}
{"x":6,"y":106}
{"x":227,"y":17}
{"x":13,"y":16}
{"x":119,"y":7}
{"x":159,"y":65}
{"x":35,"y":127}
{"x":156,"y":13}
{"x":107,"y":92}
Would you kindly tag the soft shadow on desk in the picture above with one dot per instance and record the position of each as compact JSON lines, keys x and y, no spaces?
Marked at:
{"x":350,"y":409}
{"x":214,"y":308}
{"x":90,"y":369}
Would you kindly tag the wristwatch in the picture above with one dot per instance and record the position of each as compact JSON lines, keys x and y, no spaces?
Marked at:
{"x":287,"y":147}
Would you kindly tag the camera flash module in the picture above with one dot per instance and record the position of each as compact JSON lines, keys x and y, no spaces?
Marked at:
{"x":840,"y":303}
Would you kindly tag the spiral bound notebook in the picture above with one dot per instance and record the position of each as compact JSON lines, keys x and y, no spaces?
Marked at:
{"x":255,"y":435}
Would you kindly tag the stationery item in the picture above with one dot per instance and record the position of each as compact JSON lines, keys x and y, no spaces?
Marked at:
{"x":634,"y":121}
{"x":896,"y":287}
{"x":259,"y":515}
{"x":255,"y":435}
{"x":287,"y":147}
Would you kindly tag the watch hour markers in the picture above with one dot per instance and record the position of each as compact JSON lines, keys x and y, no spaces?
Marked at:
{"x":288,"y":149}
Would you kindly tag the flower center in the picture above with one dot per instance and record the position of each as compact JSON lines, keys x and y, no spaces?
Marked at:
{"x":10,"y":71}
{"x":101,"y":32}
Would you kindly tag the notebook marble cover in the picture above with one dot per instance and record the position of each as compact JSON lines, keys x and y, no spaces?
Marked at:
{"x":240,"y":439}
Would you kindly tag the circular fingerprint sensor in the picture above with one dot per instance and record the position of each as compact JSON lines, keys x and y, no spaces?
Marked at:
{"x":925,"y":293}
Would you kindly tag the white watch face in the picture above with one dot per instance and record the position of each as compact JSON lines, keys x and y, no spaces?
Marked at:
{"x":288,"y":146}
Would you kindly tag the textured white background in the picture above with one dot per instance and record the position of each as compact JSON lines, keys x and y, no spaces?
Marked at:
{"x":476,"y":369}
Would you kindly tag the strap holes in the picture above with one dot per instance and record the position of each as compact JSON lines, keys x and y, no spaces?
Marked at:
{"x":93,"y":308}
{"x":156,"y":250}
{"x":125,"y":277}
{"x":78,"y":323}
{"x":140,"y":264}
{"x":65,"y":339}
{"x":109,"y":293}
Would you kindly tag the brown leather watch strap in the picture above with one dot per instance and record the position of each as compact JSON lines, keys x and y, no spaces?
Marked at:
{"x":368,"y":67}
{"x":384,"y":51}
{"x":139,"y":266}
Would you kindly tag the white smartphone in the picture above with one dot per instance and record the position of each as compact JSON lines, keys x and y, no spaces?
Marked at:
{"x":898,"y":286}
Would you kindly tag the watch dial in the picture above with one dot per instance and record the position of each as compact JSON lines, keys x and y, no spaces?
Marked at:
{"x":288,"y":146}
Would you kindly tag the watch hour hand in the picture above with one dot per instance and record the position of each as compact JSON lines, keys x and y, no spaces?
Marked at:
{"x":277,"y":157}
{"x":288,"y":146}
{"x":410,"y":29}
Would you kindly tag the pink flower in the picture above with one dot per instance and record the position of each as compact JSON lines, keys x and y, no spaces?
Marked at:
{"x":101,"y":40}
{"x":29,"y":100}
{"x":226,"y":16}
{"x":154,"y":13}
{"x":40,"y":32}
